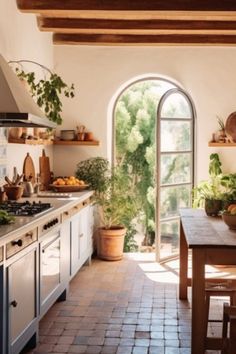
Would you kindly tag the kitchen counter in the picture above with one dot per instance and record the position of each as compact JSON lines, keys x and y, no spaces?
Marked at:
{"x":39,"y":255}
{"x":58,"y":205}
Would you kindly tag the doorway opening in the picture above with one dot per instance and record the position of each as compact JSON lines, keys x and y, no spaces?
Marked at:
{"x":153,"y":138}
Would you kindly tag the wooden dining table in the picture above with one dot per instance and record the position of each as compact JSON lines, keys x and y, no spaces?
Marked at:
{"x":211,"y":242}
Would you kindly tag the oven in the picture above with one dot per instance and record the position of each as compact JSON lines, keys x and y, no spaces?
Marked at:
{"x":50,"y":263}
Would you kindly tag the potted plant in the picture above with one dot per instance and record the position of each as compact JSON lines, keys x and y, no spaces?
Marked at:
{"x":46,"y":91}
{"x":116,"y":204}
{"x":222,"y":135}
{"x":210,"y":193}
{"x":228,"y":181}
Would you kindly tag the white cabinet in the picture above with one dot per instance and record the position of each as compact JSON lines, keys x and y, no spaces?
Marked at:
{"x":81,"y":238}
{"x":22,"y":300}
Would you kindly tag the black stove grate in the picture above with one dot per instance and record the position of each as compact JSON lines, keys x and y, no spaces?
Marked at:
{"x":25,"y":208}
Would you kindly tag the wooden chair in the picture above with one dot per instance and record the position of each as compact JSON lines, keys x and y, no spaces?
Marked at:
{"x":229,"y":317}
{"x":227,"y":288}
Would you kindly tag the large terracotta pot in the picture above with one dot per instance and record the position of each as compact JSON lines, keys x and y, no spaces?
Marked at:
{"x":111,"y":243}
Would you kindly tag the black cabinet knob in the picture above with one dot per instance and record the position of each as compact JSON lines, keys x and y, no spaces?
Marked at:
{"x":17,"y":242}
{"x":14,"y":303}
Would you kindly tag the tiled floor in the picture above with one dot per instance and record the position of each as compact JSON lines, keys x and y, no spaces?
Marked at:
{"x":129,"y":306}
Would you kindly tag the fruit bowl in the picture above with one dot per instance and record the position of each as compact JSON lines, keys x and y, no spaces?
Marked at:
{"x":68,"y":188}
{"x":68,"y":184}
{"x":230,"y":220}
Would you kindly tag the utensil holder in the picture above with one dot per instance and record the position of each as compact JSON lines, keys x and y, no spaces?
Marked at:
{"x":13,"y":192}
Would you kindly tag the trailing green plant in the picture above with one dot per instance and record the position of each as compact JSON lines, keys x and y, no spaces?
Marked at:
{"x":46,"y":92}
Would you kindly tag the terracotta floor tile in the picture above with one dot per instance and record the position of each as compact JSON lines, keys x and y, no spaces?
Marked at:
{"x":61,"y":348}
{"x":118,"y":308}
{"x":66,"y":339}
{"x":77,"y":348}
{"x":106,"y":349}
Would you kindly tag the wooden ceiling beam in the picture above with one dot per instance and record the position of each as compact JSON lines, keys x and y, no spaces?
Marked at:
{"x":137,"y":9}
{"x":174,"y":39}
{"x":100,"y":26}
{"x":124,"y":5}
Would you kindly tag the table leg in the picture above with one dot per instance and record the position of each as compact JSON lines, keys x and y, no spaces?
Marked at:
{"x":183,"y":262}
{"x":198,"y":301}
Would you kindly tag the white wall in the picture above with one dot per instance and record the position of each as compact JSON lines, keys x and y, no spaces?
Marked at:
{"x":208,"y":74}
{"x":21,"y":39}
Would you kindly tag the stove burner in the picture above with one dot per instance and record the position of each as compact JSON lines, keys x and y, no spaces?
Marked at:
{"x":24,"y":209}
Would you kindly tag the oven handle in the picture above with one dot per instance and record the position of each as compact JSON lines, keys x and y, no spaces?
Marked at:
{"x":49,"y":243}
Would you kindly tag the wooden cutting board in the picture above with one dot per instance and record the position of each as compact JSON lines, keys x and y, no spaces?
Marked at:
{"x":28,"y":169}
{"x":44,"y":170}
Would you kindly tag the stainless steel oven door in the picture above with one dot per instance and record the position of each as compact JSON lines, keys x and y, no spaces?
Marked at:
{"x":50,"y":265}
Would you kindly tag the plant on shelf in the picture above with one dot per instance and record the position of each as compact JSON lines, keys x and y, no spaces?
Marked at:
{"x":116,"y":204}
{"x":46,"y":91}
{"x":222,"y":135}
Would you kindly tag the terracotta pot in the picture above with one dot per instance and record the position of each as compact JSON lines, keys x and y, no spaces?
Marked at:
{"x":88,"y":136}
{"x":111,"y":243}
{"x":13,"y":192}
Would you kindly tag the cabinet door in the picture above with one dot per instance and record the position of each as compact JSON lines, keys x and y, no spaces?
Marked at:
{"x":75,"y":243}
{"x":22,"y":294}
{"x":84,"y":230}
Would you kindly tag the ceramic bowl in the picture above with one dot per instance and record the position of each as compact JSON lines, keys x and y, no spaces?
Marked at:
{"x":229,"y":220}
{"x":13,"y":192}
{"x":67,"y":134}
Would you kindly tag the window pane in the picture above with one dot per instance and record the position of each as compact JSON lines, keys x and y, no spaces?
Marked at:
{"x":175,"y":168}
{"x":173,"y":198}
{"x":175,"y":136}
{"x":176,"y":106}
{"x":169,"y":238}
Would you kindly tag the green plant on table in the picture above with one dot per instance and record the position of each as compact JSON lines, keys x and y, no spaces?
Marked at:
{"x":46,"y":91}
{"x":212,"y":188}
{"x":228,"y":181}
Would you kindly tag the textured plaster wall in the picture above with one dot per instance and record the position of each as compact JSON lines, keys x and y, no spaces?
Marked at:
{"x":207,"y":73}
{"x":21,"y":39}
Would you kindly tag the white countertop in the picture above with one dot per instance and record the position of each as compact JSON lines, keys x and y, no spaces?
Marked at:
{"x":22,"y":223}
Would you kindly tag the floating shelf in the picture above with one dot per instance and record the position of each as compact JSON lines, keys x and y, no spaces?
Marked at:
{"x":76,"y":142}
{"x":30,"y":141}
{"x":211,"y":144}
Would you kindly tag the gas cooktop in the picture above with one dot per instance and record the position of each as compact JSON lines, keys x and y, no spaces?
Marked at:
{"x":25,"y":208}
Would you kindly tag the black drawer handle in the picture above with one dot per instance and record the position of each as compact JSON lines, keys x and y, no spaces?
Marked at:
{"x":29,"y":234}
{"x":14,"y":303}
{"x":17,"y":242}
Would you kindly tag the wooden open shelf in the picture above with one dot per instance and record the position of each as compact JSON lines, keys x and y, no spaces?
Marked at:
{"x":30,"y":141}
{"x":76,"y":142}
{"x":211,"y":144}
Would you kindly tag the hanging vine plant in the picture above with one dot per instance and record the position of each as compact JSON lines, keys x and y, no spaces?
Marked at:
{"x":46,"y":92}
